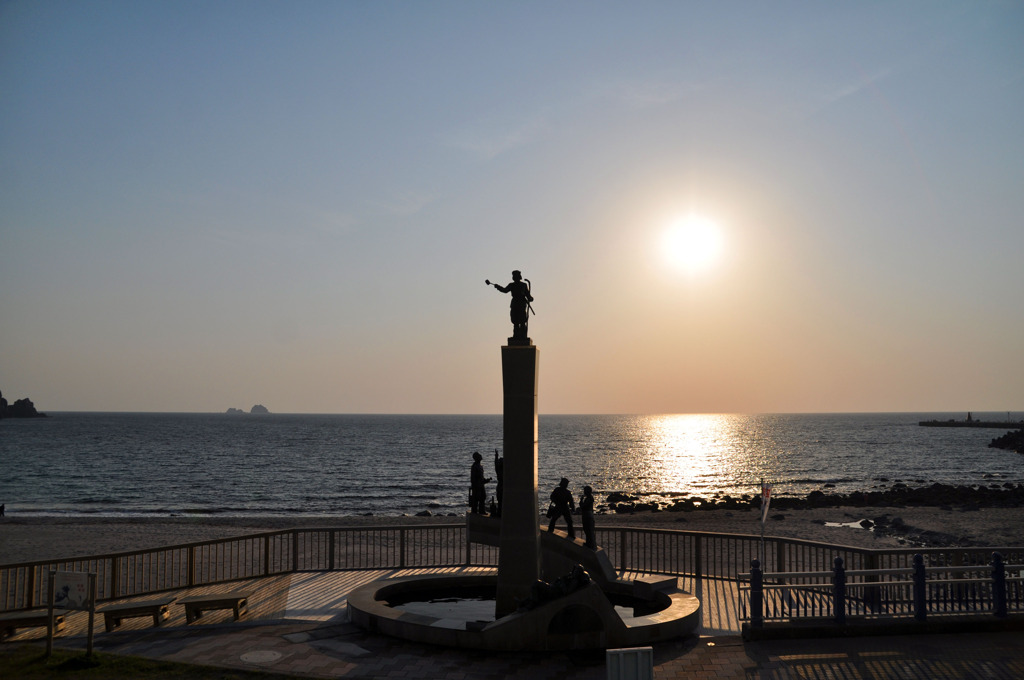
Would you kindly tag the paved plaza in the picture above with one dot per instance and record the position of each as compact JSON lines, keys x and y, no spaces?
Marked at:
{"x":297,"y":625}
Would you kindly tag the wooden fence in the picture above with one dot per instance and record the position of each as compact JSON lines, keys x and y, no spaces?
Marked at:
{"x":655,"y":551}
{"x":841,"y":595}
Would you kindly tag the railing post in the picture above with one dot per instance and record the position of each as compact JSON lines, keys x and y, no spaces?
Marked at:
{"x":49,"y":619}
{"x":401,"y":548}
{"x":781,"y":564}
{"x":839,"y":591}
{"x":191,"y":566}
{"x":920,"y":589}
{"x":872,"y":594}
{"x":266,"y":555}
{"x":295,"y":550}
{"x":998,"y":585}
{"x":756,"y":594}
{"x":623,"y":537}
{"x":330,"y":550}
{"x":115,"y":576}
{"x":31,"y":587}
{"x":698,"y":558}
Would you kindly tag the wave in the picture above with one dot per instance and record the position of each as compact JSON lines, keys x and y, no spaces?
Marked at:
{"x":825,"y":480}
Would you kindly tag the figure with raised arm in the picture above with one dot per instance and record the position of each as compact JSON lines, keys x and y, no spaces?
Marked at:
{"x":519,"y":308}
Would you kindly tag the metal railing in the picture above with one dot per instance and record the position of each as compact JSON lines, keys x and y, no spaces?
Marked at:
{"x":837,"y":596}
{"x":140,"y":572}
{"x":654,"y":551}
{"x":714,"y":555}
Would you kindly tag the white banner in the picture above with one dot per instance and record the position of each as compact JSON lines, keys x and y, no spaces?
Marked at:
{"x":766,"y":499}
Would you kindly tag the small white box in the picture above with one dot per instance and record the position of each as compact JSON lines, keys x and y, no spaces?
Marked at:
{"x":635,"y":663}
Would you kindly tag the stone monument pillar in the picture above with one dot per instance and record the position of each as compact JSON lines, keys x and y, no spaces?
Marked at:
{"x":519,"y":556}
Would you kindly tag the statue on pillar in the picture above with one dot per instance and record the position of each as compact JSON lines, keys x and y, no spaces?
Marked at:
{"x":520,"y":307}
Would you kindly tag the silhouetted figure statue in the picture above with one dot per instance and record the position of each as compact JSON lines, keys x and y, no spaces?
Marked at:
{"x":477,"y":490}
{"x":499,"y":473}
{"x":566,"y":584}
{"x":587,"y":512}
{"x":519,"y":308}
{"x":561,"y":498}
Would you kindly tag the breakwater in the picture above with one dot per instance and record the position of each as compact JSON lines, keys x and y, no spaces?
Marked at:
{"x":994,"y":424}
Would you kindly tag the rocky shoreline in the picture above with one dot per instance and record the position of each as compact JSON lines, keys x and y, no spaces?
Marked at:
{"x":937,"y":495}
{"x":1011,"y":441}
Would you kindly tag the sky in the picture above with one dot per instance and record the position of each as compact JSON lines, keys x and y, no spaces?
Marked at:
{"x":210,"y":205}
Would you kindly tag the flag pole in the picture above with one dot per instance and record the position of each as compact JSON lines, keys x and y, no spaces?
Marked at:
{"x":764,"y":513}
{"x":766,"y":499}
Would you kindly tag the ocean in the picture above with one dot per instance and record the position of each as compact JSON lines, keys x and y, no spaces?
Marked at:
{"x":172,"y":464}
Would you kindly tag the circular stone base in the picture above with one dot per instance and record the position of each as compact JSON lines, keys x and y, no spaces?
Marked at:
{"x":584,"y":619}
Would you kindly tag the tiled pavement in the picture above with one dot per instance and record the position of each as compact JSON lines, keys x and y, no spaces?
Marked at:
{"x":297,"y":626}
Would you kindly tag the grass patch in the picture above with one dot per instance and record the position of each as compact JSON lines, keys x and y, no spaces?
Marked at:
{"x":29,"y":662}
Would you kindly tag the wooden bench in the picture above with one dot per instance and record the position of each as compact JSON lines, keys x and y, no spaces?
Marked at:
{"x":33,"y":618}
{"x":197,"y":604}
{"x":158,"y":609}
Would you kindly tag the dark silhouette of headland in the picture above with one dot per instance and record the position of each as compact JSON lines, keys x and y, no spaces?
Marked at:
{"x":21,"y":408}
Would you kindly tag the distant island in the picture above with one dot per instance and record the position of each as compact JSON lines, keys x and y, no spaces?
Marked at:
{"x":258,"y":409}
{"x":22,"y":408}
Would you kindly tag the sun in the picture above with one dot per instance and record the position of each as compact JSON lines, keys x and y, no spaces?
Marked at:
{"x":692,"y":243}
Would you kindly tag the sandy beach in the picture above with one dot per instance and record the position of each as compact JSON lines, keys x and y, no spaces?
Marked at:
{"x":31,"y":539}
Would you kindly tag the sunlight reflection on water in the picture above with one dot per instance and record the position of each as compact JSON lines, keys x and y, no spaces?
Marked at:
{"x":686,"y":453}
